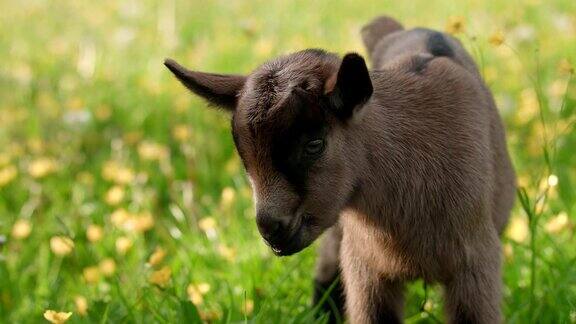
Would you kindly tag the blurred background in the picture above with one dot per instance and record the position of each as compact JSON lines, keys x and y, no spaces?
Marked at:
{"x":122,"y":198}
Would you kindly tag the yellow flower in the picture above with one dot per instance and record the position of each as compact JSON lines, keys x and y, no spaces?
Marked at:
{"x":94,"y":233}
{"x":21,"y":229}
{"x":497,"y":38}
{"x":207,"y":223}
{"x":114,"y":172}
{"x":455,"y":25}
{"x":144,"y":222}
{"x":181,"y":133}
{"x":152,"y":151}
{"x":228,"y":196}
{"x":61,"y":245}
{"x":7,"y":174}
{"x":137,"y":222}
{"x":81,"y":305}
{"x":528,"y":105}
{"x":91,"y":274}
{"x":41,"y":167}
{"x":518,"y":229}
{"x":56,"y":317}
{"x":248,"y":307}
{"x":557,"y":223}
{"x":227,"y":252}
{"x":161,"y":277}
{"x":115,"y":195}
{"x":107,"y":267}
{"x":157,"y":257}
{"x":196,"y":292}
{"x":119,"y":217}
{"x":123,"y":244}
{"x":75,"y":103}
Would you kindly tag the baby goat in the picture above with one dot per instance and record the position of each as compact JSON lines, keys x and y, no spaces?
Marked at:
{"x":405,"y":167}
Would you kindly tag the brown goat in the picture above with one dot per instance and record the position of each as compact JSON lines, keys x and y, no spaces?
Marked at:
{"x":405,"y":167}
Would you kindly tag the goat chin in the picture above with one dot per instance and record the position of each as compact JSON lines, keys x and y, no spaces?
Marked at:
{"x":302,"y":238}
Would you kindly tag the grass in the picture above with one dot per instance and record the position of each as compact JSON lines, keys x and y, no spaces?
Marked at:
{"x":121,"y":196}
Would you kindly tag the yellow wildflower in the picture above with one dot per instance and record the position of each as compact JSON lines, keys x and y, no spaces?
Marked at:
{"x":428,"y":305}
{"x":7,"y":174}
{"x":157,"y":257}
{"x":119,"y":217}
{"x":114,"y":172}
{"x":209,"y":316}
{"x":455,"y":25}
{"x":518,"y":229}
{"x":196,"y":292}
{"x":248,"y":307}
{"x":107,"y":267}
{"x":557,"y":223}
{"x":181,"y":133}
{"x":41,"y":167}
{"x":152,"y":151}
{"x":203,"y":288}
{"x":75,"y":103}
{"x":21,"y":229}
{"x":94,"y":233}
{"x":528,"y":105}
{"x":227,"y":252}
{"x":161,"y":277}
{"x":144,"y":222}
{"x":91,"y":274}
{"x":115,"y":195}
{"x":81,"y":305}
{"x":497,"y":38}
{"x":61,"y":245}
{"x":123,"y":244}
{"x":137,"y":222}
{"x":228,"y":196}
{"x":207,"y":223}
{"x":56,"y":317}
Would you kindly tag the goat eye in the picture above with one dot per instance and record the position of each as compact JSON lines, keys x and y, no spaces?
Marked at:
{"x":314,"y":147}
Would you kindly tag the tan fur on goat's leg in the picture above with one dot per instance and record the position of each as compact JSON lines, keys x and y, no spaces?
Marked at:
{"x":370,"y":296}
{"x":473,"y":295}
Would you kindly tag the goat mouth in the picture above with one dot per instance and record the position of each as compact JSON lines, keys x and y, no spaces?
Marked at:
{"x":293,"y":242}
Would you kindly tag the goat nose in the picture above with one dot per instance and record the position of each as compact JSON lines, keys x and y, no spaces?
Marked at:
{"x":269,"y":226}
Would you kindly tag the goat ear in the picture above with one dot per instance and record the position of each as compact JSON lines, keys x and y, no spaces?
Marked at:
{"x":218,"y":89}
{"x":352,"y":87}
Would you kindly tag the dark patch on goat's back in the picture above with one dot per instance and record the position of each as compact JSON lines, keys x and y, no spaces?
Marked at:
{"x":438,"y":45}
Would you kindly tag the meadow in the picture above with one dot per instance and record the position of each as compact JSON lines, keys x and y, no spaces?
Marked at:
{"x":122,"y":199}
